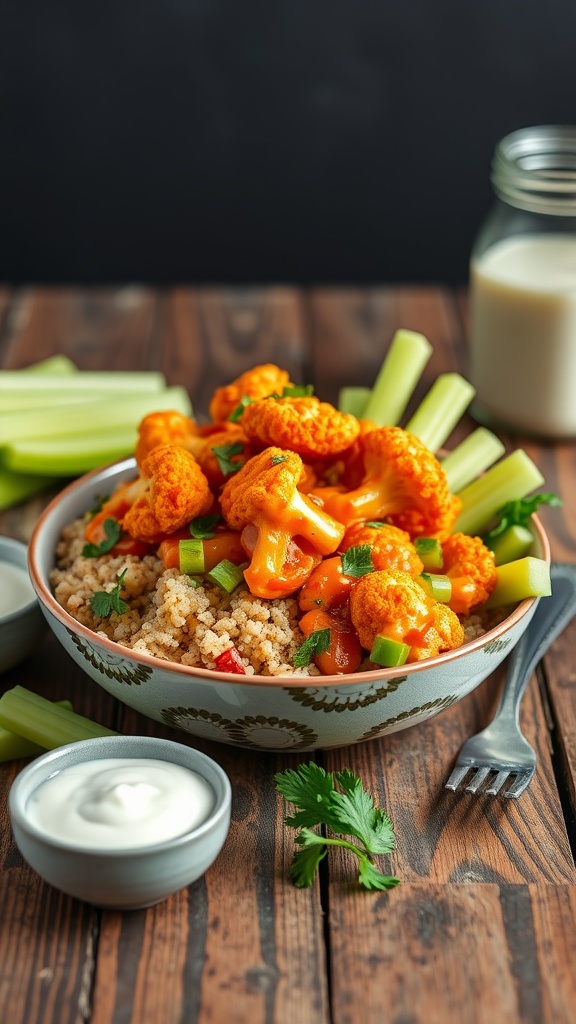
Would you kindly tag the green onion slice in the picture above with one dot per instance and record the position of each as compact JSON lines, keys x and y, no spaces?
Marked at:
{"x":191,"y":555}
{"x":389,"y":653}
{"x":436,"y":586}
{"x":226,"y":575}
{"x":429,"y":551}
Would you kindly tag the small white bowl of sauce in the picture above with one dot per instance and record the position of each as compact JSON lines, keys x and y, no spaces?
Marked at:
{"x":22,"y":623}
{"x":121,"y":822}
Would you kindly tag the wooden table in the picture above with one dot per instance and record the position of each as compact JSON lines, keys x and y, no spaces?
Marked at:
{"x":482,"y":928}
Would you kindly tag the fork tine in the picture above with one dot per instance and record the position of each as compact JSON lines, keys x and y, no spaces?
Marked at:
{"x":459,"y":773}
{"x":477,"y":780}
{"x":518,"y":787}
{"x":496,"y":785}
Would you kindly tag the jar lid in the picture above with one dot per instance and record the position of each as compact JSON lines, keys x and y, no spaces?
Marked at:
{"x":535,"y":169}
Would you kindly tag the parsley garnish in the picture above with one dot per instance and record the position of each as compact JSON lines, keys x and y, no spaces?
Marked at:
{"x":357,"y":561}
{"x":113,"y":531}
{"x":376,"y":524}
{"x":202,"y":527}
{"x":297,"y":391}
{"x":316,"y":643}
{"x":518,"y":513}
{"x":349,"y":811}
{"x":237,"y":412}
{"x":224,"y":454}
{"x":277,"y":459}
{"x":103,"y":603}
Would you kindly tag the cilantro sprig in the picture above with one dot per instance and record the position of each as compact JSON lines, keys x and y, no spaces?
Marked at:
{"x":113,"y":533}
{"x":225,"y":453}
{"x":317,"y":643}
{"x":103,"y":602}
{"x":519,"y":512}
{"x":357,"y":560}
{"x":202,"y":527}
{"x":336,"y":801}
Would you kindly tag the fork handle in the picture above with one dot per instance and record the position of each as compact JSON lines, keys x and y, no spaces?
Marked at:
{"x":551,"y":617}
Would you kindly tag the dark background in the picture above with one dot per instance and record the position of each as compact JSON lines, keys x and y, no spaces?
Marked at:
{"x":239,"y":141}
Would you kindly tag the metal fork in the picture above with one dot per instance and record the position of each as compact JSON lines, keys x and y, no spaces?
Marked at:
{"x":500,"y":752}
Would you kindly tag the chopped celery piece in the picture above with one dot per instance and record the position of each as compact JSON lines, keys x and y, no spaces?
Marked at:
{"x":398,"y":376}
{"x":429,"y":551}
{"x":476,"y":453}
{"x":226,"y":575}
{"x":440,"y":410}
{"x":353,"y":400}
{"x":511,"y":478}
{"x":513,"y":543}
{"x":16,"y":487}
{"x":53,"y":365}
{"x":389,"y":652}
{"x":13,"y":746}
{"x":124,"y":382}
{"x":191,"y":556}
{"x":436,"y":586}
{"x":525,"y":577}
{"x":69,"y":456}
{"x":44,"y":722}
{"x":124,"y":410}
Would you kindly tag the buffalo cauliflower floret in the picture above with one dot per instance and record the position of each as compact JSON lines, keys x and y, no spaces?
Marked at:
{"x":391,"y":547}
{"x":403,"y":483}
{"x":393,"y":605}
{"x":312,"y":428}
{"x":284,"y":532}
{"x":171,"y":491}
{"x":162,"y":428}
{"x":266,"y":379}
{"x":470,"y":566}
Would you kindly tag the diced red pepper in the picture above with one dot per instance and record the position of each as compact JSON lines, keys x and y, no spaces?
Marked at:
{"x":230,"y":661}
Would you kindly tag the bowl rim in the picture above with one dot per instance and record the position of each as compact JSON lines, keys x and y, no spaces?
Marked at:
{"x":49,"y":602}
{"x":100,"y":744}
{"x":17,"y":547}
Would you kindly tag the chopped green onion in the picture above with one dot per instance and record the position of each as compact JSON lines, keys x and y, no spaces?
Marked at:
{"x":513,"y":543}
{"x":44,"y":722}
{"x":436,"y":586}
{"x":476,"y":453}
{"x":398,"y":376}
{"x":440,"y":410}
{"x":13,"y":747}
{"x":511,"y":478}
{"x":389,"y":653}
{"x":353,"y":400}
{"x":429,"y":551}
{"x":525,"y":577}
{"x":226,"y":575}
{"x":191,"y":556}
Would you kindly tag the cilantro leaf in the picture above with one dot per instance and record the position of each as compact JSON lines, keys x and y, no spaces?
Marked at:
{"x":225,"y":453}
{"x":113,"y":532}
{"x":298,"y":391}
{"x":237,"y":412}
{"x":357,"y":561}
{"x":518,"y":513}
{"x":202,"y":527}
{"x":316,"y":643}
{"x":346,"y":811}
{"x":277,"y":459}
{"x":103,"y":603}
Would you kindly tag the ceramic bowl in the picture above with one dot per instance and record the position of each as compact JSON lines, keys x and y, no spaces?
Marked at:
{"x":288,"y":713}
{"x":22,"y":624}
{"x":122,"y":879}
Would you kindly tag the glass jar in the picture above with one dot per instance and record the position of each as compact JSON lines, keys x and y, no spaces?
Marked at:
{"x":523,"y":287}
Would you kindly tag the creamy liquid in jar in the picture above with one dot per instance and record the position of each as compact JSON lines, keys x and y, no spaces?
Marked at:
{"x":16,"y":591}
{"x":120,"y":803}
{"x":523,"y":333}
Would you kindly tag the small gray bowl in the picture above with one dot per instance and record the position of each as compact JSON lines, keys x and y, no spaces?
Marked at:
{"x":121,"y":879}
{"x":23,"y":628}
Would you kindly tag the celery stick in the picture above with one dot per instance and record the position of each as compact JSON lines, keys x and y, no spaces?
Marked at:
{"x":69,"y":456}
{"x":17,"y":487}
{"x":43,"y":722}
{"x":21,"y":399}
{"x":123,"y":381}
{"x":398,"y":376}
{"x":511,"y":478}
{"x":440,"y":410}
{"x":471,"y":457}
{"x":353,"y":400}
{"x":121,"y":411}
{"x":59,"y":364}
{"x":389,"y":652}
{"x":525,"y":577}
{"x":13,"y":747}
{"x":513,"y":543}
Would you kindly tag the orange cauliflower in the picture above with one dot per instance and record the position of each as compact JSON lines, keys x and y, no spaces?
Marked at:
{"x":285,"y":533}
{"x":312,"y":428}
{"x":392,"y":604}
{"x":266,"y":379}
{"x":161,"y":428}
{"x":403,"y":483}
{"x":391,"y":547}
{"x":171,"y":490}
{"x":470,"y":566}
{"x":220,"y":449}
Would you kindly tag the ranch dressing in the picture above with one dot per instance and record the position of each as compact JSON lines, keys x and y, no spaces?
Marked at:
{"x":523,"y":333}
{"x":16,"y":590}
{"x":120,"y":803}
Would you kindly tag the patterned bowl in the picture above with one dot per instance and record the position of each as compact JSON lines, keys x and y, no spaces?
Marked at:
{"x":270,"y":713}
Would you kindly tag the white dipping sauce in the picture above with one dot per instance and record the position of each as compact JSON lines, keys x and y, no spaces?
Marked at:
{"x":120,"y":803}
{"x":16,"y":590}
{"x":523,"y":333}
